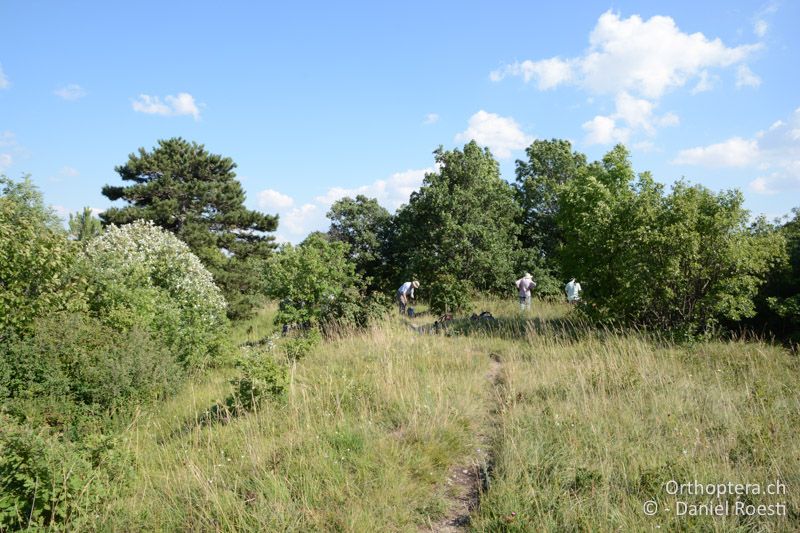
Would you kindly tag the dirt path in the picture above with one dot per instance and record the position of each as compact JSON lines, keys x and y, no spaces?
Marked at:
{"x":465,"y":482}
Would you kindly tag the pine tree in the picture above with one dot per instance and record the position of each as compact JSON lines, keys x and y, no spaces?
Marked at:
{"x":194,"y":194}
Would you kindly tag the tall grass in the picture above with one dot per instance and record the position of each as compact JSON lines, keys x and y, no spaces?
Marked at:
{"x":584,"y":426}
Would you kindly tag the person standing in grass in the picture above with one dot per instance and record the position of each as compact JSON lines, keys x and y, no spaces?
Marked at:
{"x":404,"y":293}
{"x":573,"y":290}
{"x":524,"y":286}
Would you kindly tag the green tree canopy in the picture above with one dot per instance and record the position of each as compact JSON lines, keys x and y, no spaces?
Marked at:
{"x":184,"y":189}
{"x":362,"y":224}
{"x":35,"y":258}
{"x":779,"y":301}
{"x":550,"y":165}
{"x":681,"y":260}
{"x":315,"y":283}
{"x":459,"y":228}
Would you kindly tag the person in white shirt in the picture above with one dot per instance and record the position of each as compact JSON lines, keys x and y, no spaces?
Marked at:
{"x":524,"y":286}
{"x":404,"y":293}
{"x":573,"y":290}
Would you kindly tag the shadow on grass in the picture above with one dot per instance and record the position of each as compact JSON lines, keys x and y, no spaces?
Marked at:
{"x":216,"y":414}
{"x":516,"y":328}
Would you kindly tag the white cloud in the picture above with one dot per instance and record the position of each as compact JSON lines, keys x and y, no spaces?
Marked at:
{"x":645,"y":57}
{"x":64,"y":212}
{"x":391,"y":192}
{"x":633,"y":115}
{"x":431,"y":118}
{"x":644,"y":146}
{"x":549,"y":73}
{"x":604,"y":130}
{"x":735,"y":152}
{"x":10,"y":148}
{"x":746,"y":78}
{"x":300,"y":221}
{"x":4,"y":83}
{"x":760,"y":27}
{"x":500,"y":134}
{"x":773,"y":154}
{"x":183,"y":104}
{"x":272,"y":199}
{"x":636,"y":61}
{"x":705,"y":83}
{"x":72,"y":91}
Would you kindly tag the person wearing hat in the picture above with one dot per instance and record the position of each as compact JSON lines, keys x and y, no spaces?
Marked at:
{"x":405,"y":292}
{"x":524,"y":286}
{"x":573,"y":290}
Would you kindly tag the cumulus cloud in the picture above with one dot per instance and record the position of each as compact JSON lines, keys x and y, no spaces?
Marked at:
{"x":705,"y":83}
{"x":70,"y":92}
{"x":604,"y":130}
{"x":548,"y":73}
{"x":632,"y":115}
{"x":636,"y":61}
{"x":735,"y":152}
{"x":6,"y":160}
{"x":272,"y":199}
{"x":646,"y":57}
{"x":182,"y":104}
{"x":746,"y":78}
{"x":500,"y":134}
{"x":773,"y":154}
{"x":4,"y":83}
{"x":298,"y":221}
{"x":391,"y":192}
{"x":431,"y":118}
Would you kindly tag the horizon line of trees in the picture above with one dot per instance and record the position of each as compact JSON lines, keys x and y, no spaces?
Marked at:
{"x":681,"y":259}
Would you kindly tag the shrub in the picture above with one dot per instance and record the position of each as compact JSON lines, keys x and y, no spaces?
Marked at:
{"x":140,"y":275}
{"x":261,"y":378}
{"x":48,"y":482}
{"x":35,"y":258}
{"x":300,"y":345}
{"x":680,"y":261}
{"x":448,"y":294}
{"x":74,"y":358}
{"x":317,"y":285}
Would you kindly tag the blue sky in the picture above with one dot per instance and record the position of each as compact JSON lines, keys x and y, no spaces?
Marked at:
{"x":319,"y":100}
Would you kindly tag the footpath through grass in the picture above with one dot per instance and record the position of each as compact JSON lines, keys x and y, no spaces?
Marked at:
{"x":583,"y":427}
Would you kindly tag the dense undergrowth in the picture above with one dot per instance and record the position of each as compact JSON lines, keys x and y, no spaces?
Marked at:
{"x":583,"y":426}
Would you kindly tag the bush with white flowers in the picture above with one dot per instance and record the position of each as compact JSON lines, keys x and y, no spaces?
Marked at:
{"x":140,"y":275}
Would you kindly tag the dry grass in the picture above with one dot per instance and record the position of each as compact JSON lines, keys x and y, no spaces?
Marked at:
{"x":584,"y":427}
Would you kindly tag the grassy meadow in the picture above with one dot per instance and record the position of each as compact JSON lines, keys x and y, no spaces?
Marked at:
{"x":533,"y":422}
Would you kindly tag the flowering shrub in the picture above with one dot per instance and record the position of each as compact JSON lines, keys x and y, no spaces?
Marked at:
{"x":140,"y":275}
